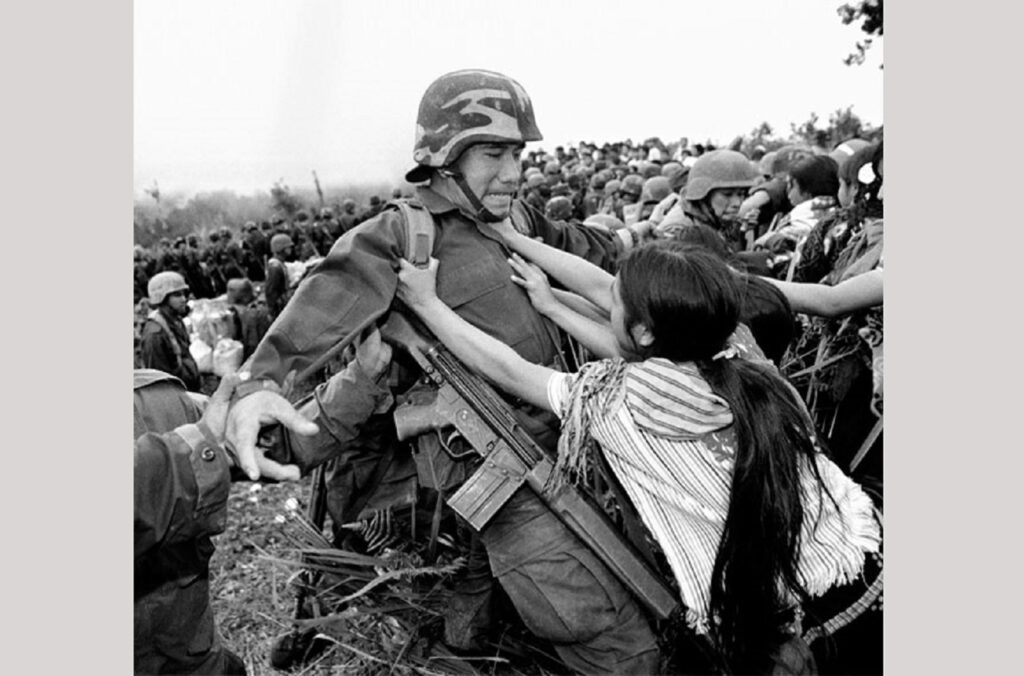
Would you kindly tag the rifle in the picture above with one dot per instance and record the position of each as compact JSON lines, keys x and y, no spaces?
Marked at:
{"x":511,"y":458}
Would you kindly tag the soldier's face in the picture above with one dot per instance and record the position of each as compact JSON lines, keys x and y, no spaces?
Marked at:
{"x":178,"y":302}
{"x":492,"y":171}
{"x":725,"y":202}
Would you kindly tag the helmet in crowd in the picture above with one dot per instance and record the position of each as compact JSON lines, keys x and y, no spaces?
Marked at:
{"x":655,"y":189}
{"x":787,"y":156}
{"x":599,"y":179}
{"x":649,"y":169}
{"x":348,"y":205}
{"x":719,"y":169}
{"x":558,"y":208}
{"x":846,"y":149}
{"x":280,"y":242}
{"x":632,"y":185}
{"x":240,"y":291}
{"x":765,"y":165}
{"x":374,"y":200}
{"x":531,"y":171}
{"x":552,"y":168}
{"x":535,"y":181}
{"x":466,"y":107}
{"x":139,"y":252}
{"x":676,"y":174}
{"x":612,"y":187}
{"x":162,"y":284}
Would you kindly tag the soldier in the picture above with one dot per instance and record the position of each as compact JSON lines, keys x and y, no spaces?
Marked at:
{"x":277,"y":288}
{"x":165,"y":340}
{"x":471,"y":129}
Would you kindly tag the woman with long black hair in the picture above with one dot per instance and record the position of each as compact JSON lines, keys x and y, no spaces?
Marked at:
{"x":713,"y":449}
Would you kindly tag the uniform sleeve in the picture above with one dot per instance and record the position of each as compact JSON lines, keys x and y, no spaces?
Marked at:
{"x":603,"y":249}
{"x":339,"y":407}
{"x":181,"y":487}
{"x":353,"y":285}
{"x":156,"y":349}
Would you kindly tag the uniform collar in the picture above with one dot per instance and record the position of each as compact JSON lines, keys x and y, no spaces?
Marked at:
{"x":433,"y":201}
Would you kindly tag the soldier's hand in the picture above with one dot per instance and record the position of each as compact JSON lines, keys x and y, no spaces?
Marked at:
{"x":244,"y":420}
{"x":373,"y":354}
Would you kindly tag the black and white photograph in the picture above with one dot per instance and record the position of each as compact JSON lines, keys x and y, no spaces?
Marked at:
{"x":508,"y":338}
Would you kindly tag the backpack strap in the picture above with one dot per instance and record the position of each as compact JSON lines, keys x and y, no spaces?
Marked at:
{"x":420,"y":231}
{"x":162,"y":323}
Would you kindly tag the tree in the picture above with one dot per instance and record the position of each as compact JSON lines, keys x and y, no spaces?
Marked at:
{"x":870,"y":12}
{"x":843,"y":124}
{"x":284,"y":201}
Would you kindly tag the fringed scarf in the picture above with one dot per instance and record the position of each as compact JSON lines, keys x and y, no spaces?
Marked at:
{"x":673,"y":407}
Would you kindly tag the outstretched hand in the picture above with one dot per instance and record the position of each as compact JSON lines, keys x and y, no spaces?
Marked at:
{"x":417,"y":286}
{"x":244,"y":420}
{"x":503,"y":229}
{"x":533,"y":279}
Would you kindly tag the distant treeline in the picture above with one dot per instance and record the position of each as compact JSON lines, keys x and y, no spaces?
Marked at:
{"x":159,"y":215}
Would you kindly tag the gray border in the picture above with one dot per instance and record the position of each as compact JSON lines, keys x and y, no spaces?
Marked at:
{"x":68,"y":118}
{"x":67,"y":164}
{"x":951,"y":94}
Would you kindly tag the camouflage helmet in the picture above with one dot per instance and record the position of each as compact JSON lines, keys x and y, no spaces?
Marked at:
{"x":846,"y":150}
{"x":787,"y":156}
{"x":719,"y":169}
{"x":466,"y":107}
{"x":558,"y":208}
{"x":163,"y":284}
{"x":280,"y":242}
{"x":656,"y":189}
{"x":632,"y":185}
{"x":535,"y":181}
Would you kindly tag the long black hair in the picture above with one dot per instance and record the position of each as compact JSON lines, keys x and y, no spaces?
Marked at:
{"x":690,"y":302}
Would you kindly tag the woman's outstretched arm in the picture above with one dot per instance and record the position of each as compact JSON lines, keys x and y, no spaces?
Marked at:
{"x":856,"y":293}
{"x":578,"y":275}
{"x":488,"y":356}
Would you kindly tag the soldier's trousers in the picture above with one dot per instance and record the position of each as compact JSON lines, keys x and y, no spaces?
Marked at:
{"x":564,"y":593}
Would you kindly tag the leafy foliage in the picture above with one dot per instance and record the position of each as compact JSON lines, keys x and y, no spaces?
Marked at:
{"x":870,"y":14}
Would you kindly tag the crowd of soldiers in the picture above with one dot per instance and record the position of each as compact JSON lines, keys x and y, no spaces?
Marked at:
{"x":208,"y":265}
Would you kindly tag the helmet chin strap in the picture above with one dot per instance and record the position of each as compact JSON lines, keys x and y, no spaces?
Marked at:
{"x":483,"y":214}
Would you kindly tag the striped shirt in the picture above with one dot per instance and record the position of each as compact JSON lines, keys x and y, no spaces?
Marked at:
{"x":670,"y":441}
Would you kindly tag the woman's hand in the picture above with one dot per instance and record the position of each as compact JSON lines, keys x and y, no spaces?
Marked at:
{"x":504,"y":229}
{"x":417,"y":287}
{"x":533,"y":279}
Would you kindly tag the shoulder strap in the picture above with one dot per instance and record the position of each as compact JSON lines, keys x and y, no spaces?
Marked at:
{"x":419,"y":231}
{"x":162,"y":322}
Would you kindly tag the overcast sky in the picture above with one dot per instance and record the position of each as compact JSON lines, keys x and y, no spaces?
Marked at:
{"x":237,"y":94}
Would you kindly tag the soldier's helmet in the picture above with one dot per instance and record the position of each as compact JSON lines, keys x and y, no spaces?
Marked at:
{"x":719,"y":169}
{"x":632,"y":185}
{"x":162,"y":284}
{"x":466,"y":107}
{"x":280,"y":242}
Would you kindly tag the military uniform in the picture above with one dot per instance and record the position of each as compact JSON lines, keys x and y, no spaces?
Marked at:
{"x":181,"y":491}
{"x":562,"y":591}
